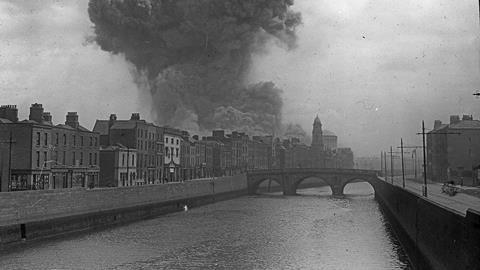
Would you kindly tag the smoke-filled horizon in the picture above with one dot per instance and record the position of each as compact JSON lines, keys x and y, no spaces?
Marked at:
{"x":191,"y":57}
{"x":371,"y":69}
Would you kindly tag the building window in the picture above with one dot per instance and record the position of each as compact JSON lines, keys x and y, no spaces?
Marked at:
{"x":64,"y":139}
{"x":74,"y":140}
{"x":38,"y":138}
{"x":133,"y":160}
{"x":95,"y":141}
{"x":81,"y":140}
{"x":176,"y":152}
{"x":178,"y":141}
{"x":90,"y":159}
{"x":171,"y":141}
{"x":44,"y":158}
{"x":91,"y":141}
{"x":81,"y":158}
{"x":123,"y":159}
{"x":56,"y":156}
{"x":38,"y":158}
{"x":166,"y":140}
{"x":46,"y":138}
{"x":64,"y":158}
{"x":95,"y":159}
{"x":56,"y":139}
{"x":73,"y":158}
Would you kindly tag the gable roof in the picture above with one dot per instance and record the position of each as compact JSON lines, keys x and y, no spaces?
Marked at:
{"x":124,"y":124}
{"x":101,"y":127}
{"x":467,"y":124}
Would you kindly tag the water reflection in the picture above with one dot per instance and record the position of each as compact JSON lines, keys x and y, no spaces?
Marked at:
{"x":311,"y":231}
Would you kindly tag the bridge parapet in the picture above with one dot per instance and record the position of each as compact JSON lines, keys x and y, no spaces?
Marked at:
{"x":290,"y":178}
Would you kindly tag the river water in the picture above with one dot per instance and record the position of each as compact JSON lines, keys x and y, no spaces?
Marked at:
{"x":269,"y":231}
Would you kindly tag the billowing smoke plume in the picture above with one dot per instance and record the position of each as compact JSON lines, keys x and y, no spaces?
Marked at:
{"x":195,"y":55}
{"x":296,"y":131}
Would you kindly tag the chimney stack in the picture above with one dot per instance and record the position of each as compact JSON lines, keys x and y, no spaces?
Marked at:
{"x":111,"y":121}
{"x":437,"y":124}
{"x":47,"y":117}
{"x":467,"y":117}
{"x":72,"y":120}
{"x":135,"y":116}
{"x":218,"y":134}
{"x":36,"y":113}
{"x":9,"y":112}
{"x":454,"y":119}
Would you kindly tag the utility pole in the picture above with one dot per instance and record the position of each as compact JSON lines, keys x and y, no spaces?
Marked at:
{"x":425,"y":191}
{"x":403,"y":168}
{"x":391,"y":162}
{"x":381,"y":162}
{"x":385,"y":166}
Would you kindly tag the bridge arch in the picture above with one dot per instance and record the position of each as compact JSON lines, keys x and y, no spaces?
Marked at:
{"x":254,"y":185}
{"x":357,"y":179}
{"x":302,"y":178}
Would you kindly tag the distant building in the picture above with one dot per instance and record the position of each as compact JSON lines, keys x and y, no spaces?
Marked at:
{"x":317,"y":149}
{"x":369,"y":163}
{"x":138,"y":134}
{"x":329,"y":140}
{"x":454,"y":156}
{"x":118,"y":167}
{"x":172,"y":157}
{"x":46,"y":156}
{"x":344,"y":158}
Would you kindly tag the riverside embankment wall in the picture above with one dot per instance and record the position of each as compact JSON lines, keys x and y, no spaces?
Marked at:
{"x":434,"y":236}
{"x":38,"y":214}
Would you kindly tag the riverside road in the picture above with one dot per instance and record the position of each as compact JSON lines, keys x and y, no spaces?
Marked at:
{"x":269,"y":231}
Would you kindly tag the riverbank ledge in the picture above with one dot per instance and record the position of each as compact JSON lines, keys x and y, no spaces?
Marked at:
{"x":433,"y":235}
{"x":33,"y":215}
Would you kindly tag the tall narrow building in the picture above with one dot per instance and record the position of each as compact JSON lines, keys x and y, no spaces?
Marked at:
{"x":317,"y":148}
{"x":317,"y":134}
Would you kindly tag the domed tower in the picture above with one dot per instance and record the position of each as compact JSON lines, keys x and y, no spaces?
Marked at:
{"x":316,"y":149}
{"x":317,"y":134}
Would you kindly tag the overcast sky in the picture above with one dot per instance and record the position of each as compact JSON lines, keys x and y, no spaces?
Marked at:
{"x":371,"y":70}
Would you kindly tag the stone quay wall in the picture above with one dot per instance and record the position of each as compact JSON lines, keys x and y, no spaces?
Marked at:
{"x":31,"y":215}
{"x":433,"y":236}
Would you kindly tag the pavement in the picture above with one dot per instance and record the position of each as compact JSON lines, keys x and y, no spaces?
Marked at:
{"x":467,"y":197}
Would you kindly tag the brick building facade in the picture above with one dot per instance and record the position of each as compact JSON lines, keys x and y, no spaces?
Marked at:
{"x":46,"y":156}
{"x":453,"y":151}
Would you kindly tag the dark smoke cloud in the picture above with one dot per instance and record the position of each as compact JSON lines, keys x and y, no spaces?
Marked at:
{"x":195,"y":55}
{"x":296,"y":131}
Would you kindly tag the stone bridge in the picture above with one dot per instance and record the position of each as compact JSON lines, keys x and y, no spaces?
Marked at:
{"x":289,"y":179}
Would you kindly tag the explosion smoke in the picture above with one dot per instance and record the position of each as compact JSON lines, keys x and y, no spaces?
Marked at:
{"x":195,"y":55}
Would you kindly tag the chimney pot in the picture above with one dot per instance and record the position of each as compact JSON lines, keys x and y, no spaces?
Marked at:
{"x":47,"y":117}
{"x":72,"y":120}
{"x":454,"y":119}
{"x":135,"y":116}
{"x":36,"y":113}
{"x":9,"y":112}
